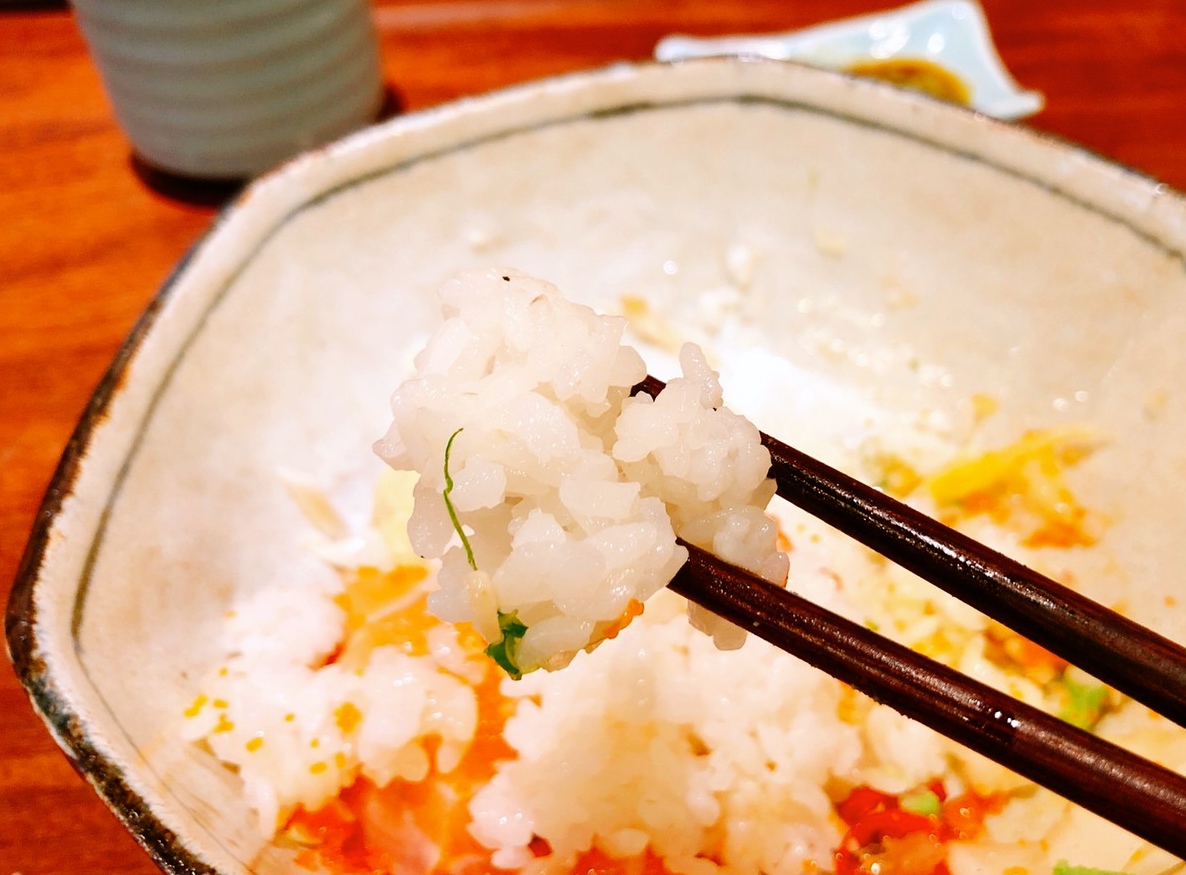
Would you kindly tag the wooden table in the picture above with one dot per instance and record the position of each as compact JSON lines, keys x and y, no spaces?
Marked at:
{"x":83,"y":245}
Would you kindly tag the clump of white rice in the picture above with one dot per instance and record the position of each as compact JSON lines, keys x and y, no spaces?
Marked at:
{"x":643,"y":744}
{"x":568,"y":493}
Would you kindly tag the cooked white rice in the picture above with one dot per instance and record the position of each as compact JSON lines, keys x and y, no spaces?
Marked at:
{"x":553,"y":465}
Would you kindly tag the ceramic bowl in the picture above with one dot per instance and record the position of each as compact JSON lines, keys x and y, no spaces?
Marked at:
{"x":920,"y":252}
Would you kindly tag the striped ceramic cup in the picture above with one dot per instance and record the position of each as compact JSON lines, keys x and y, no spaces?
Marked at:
{"x":227,"y":88}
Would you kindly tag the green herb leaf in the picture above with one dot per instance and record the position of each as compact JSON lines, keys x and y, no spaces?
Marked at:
{"x":469,"y":552}
{"x":1062,"y":867}
{"x":1084,"y":703}
{"x":924,"y":802}
{"x":505,"y":651}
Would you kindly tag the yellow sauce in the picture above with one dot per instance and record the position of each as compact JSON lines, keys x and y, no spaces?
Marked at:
{"x":918,"y":74}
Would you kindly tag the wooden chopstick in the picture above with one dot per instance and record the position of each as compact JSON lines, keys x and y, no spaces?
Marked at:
{"x":1112,"y":648}
{"x":1132,"y":792}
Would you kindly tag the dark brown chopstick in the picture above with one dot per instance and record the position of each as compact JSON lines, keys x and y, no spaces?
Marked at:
{"x":1120,"y":786}
{"x":1112,"y":648}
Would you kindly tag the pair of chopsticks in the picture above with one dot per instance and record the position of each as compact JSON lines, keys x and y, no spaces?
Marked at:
{"x":1132,"y":792}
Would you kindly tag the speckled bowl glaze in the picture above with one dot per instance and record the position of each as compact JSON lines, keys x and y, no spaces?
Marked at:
{"x":920,"y":252}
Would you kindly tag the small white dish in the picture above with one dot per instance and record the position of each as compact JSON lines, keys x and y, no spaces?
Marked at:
{"x":953,"y":34}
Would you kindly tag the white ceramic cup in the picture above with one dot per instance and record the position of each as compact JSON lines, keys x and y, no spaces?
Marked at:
{"x":225,"y":89}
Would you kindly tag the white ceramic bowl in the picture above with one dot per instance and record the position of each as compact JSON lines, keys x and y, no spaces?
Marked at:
{"x":1020,"y":267}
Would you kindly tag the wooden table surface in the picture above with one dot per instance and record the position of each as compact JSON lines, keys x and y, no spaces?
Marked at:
{"x":84,"y":245}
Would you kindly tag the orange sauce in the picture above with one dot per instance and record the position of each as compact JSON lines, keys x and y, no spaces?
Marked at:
{"x":918,"y":74}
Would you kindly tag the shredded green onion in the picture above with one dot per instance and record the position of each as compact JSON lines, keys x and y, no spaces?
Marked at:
{"x":924,"y":802}
{"x":469,"y":552}
{"x":1084,"y":704}
{"x":505,"y":651}
{"x":1062,"y":867}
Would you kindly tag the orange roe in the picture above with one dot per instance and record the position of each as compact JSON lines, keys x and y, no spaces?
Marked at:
{"x":633,"y":609}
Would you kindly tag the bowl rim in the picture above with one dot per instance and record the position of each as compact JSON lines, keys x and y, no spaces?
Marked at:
{"x":1150,"y":209}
